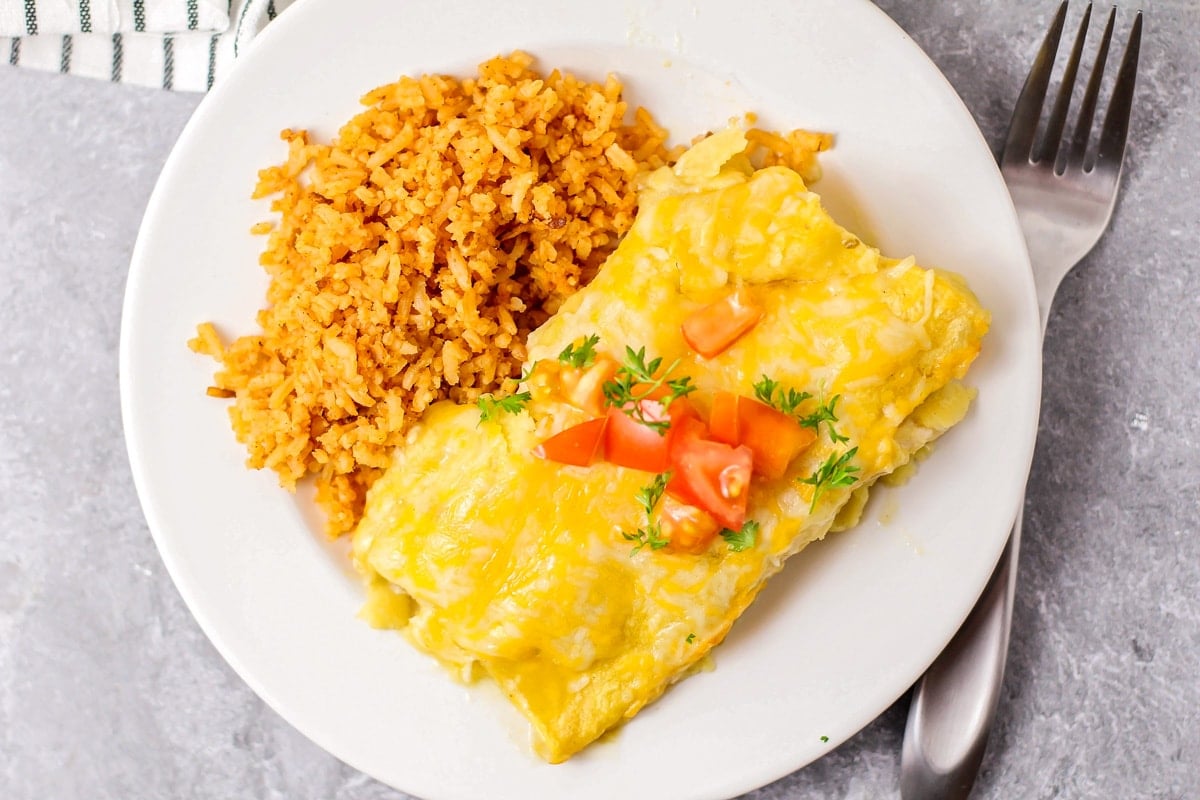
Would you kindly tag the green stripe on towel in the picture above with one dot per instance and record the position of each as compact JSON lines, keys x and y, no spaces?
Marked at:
{"x":237,"y":32}
{"x":118,"y":56}
{"x":168,"y":62}
{"x":31,"y":17}
{"x":212,"y":60}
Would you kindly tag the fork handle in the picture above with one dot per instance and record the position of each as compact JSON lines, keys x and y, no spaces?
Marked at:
{"x":954,"y":703}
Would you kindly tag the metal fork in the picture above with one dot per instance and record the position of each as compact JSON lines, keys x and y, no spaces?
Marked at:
{"x":1064,"y":199}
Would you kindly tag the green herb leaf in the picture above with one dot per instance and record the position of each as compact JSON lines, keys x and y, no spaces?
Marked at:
{"x":765,"y":390}
{"x":490,"y":407}
{"x":824,"y":738}
{"x":648,"y":497}
{"x":649,"y":536}
{"x":691,"y":637}
{"x":650,"y":494}
{"x":827,"y":413}
{"x":636,"y":379}
{"x":741,"y":540}
{"x":583,"y":356}
{"x":788,"y":400}
{"x":837,"y":472}
{"x":774,"y":395}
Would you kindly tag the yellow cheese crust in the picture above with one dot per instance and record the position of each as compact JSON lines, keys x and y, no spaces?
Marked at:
{"x":488,"y":556}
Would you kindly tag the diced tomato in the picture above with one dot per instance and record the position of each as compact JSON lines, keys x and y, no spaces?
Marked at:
{"x":584,"y":388}
{"x":630,"y":443}
{"x":682,"y":408}
{"x":689,"y":528}
{"x":774,"y":437}
{"x":580,"y":445}
{"x":712,"y":329}
{"x":580,"y":387}
{"x":723,"y":420}
{"x":711,"y":475}
{"x":686,"y":428}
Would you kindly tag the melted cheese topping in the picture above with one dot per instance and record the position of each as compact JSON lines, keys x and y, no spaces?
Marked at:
{"x":485,"y":555}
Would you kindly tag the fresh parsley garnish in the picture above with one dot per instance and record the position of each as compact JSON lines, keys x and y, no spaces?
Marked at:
{"x":824,"y":738}
{"x":650,"y":494}
{"x":636,"y":379}
{"x":491,"y":407}
{"x":789,"y":400}
{"x":827,"y":413}
{"x":743,"y":539}
{"x":650,"y":536}
{"x":583,"y":356}
{"x":837,"y":472}
{"x":774,"y":395}
{"x":691,"y":637}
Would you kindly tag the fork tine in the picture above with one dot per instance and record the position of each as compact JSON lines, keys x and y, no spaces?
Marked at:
{"x":1087,"y":111}
{"x":1062,"y":104}
{"x":1116,"y":119}
{"x":1021,"y":130}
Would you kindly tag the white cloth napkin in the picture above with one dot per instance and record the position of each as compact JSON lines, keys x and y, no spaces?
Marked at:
{"x":186,"y":45}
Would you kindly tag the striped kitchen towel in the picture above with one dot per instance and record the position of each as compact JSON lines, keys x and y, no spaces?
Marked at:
{"x":185,"y":45}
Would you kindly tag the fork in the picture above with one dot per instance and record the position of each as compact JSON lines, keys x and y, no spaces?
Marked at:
{"x":1064,"y":198}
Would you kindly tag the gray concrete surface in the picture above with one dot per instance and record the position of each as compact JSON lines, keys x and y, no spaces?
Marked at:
{"x":108,"y":689}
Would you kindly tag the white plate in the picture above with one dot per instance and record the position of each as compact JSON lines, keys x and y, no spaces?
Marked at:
{"x":834,"y":639}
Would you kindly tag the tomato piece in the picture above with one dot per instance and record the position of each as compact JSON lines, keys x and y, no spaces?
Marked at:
{"x":681,"y":409}
{"x":723,"y":419}
{"x":629,"y":443}
{"x":580,"y":445}
{"x":584,"y":388}
{"x":774,"y":437}
{"x":689,"y":528}
{"x":712,"y":329}
{"x":685,"y":429}
{"x":581,"y":387}
{"x":711,"y":475}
